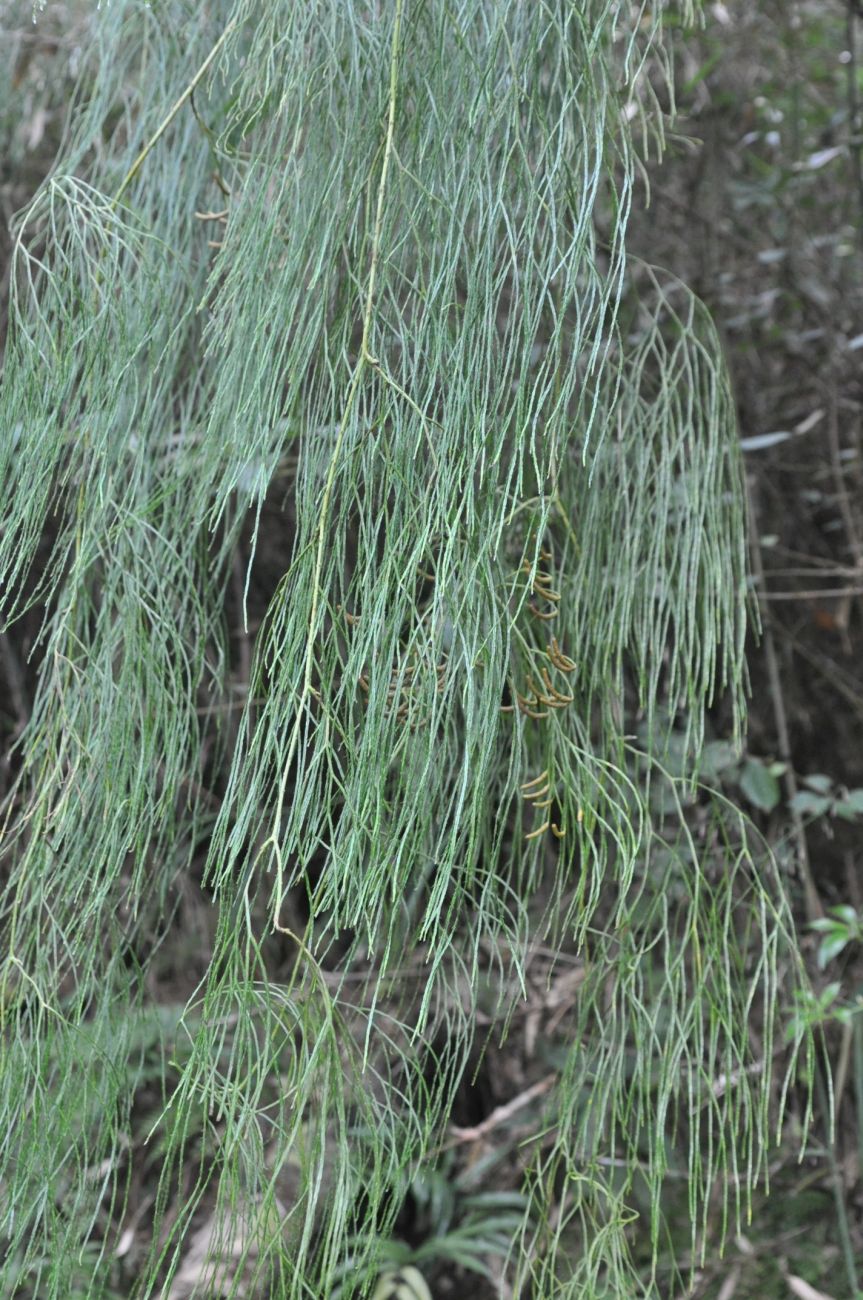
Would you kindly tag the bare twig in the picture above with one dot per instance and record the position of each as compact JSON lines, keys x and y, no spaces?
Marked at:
{"x":814,"y":909}
{"x":502,"y":1113}
{"x":172,"y":113}
{"x":811,"y":595}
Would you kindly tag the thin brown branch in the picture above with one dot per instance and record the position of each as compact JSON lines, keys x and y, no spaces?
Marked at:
{"x":814,"y":909}
{"x":502,"y":1113}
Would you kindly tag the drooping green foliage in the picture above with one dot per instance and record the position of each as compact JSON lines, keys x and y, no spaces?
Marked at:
{"x":369,"y":261}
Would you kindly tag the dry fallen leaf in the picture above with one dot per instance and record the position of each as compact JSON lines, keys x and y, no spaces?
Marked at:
{"x":803,"y":1290}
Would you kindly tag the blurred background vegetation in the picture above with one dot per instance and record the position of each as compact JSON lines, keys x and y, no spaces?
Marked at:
{"x":758,"y":206}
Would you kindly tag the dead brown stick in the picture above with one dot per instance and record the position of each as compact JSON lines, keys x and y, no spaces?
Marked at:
{"x":814,"y":909}
{"x":502,"y":1113}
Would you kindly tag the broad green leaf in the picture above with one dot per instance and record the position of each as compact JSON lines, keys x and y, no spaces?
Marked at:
{"x":717,"y":757}
{"x":759,"y":785}
{"x":818,"y":782}
{"x":809,"y":804}
{"x":831,"y":946}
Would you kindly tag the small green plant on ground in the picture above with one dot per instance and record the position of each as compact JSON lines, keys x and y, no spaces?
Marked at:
{"x":454,"y":1227}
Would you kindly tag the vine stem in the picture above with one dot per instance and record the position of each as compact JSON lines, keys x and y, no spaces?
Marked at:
{"x":364,"y":360}
{"x":172,"y":113}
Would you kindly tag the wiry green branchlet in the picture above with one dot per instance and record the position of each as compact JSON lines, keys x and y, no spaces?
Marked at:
{"x":381,"y":247}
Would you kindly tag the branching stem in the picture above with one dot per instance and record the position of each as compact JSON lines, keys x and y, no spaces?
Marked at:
{"x":172,"y":113}
{"x":364,"y":360}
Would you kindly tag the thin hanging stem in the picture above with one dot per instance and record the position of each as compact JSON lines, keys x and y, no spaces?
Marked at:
{"x":172,"y":113}
{"x":365,"y":359}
